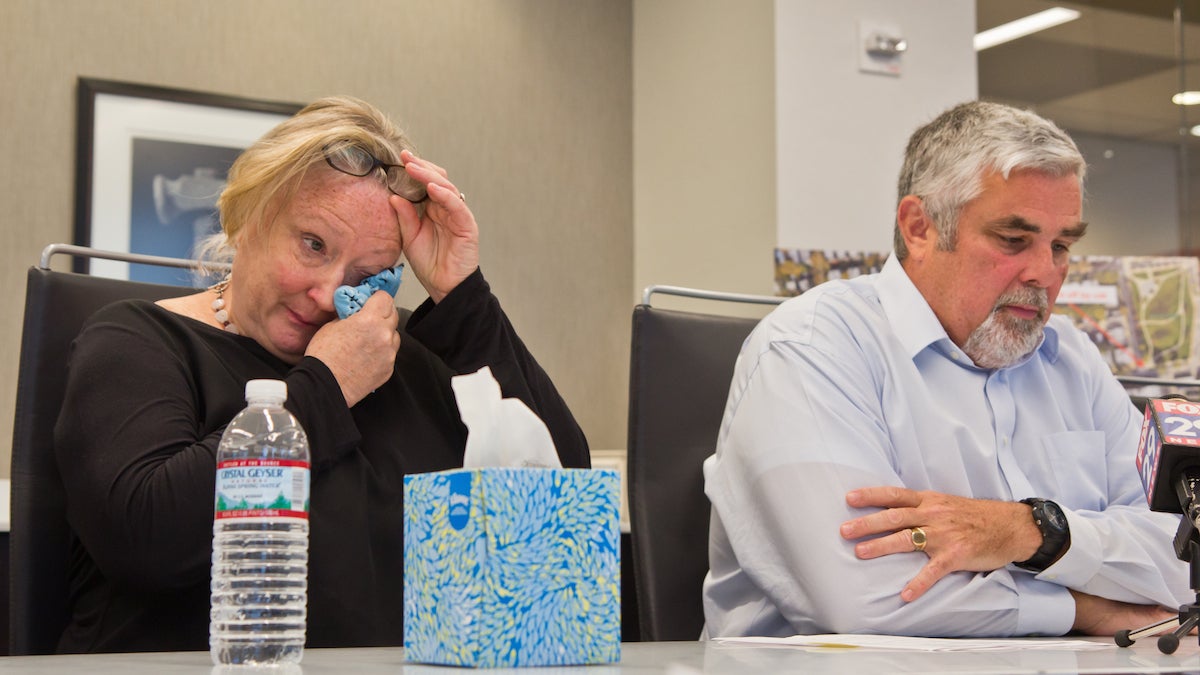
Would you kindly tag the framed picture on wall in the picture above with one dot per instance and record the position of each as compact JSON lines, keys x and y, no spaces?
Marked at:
{"x":150,"y":164}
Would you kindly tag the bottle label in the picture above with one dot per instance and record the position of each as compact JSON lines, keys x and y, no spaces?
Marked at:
{"x":262,"y":488}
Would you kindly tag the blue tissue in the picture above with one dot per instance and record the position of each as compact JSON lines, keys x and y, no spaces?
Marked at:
{"x":349,"y":299}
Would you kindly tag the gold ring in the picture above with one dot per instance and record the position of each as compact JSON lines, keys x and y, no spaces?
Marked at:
{"x":918,"y":538}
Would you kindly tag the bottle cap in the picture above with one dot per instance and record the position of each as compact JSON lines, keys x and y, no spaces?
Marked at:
{"x":269,"y":390}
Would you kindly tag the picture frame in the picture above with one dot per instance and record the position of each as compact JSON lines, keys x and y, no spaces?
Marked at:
{"x":150,"y":163}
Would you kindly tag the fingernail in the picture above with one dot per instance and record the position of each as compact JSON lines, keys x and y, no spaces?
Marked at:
{"x":907,"y":594}
{"x":847,"y":529}
{"x":852,"y":495}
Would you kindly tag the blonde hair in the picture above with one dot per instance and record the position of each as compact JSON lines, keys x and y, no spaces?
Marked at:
{"x":266,"y":175}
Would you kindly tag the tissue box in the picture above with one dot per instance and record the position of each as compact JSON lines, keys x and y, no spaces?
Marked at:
{"x":512,"y":567}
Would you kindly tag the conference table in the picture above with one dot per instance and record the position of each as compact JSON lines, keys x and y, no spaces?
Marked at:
{"x":673,"y":658}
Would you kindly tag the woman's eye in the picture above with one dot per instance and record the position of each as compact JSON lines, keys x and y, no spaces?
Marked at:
{"x":314,"y":244}
{"x":361,"y":277}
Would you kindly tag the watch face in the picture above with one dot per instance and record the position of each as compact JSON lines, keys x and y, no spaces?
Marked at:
{"x":1054,"y":516}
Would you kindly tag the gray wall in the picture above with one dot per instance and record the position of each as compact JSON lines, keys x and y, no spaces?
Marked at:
{"x":704,"y":146}
{"x":842,"y":131}
{"x":528,"y":103}
{"x":1131,"y":197}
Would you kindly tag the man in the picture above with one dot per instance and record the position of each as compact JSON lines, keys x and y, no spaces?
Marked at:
{"x":881,"y":433}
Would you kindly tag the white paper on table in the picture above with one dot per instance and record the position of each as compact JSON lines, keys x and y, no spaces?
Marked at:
{"x":919,"y":644}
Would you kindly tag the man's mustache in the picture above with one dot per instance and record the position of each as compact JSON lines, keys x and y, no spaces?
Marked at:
{"x":1033,"y":297}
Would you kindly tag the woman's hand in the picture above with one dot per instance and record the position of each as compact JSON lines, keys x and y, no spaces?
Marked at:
{"x":442,"y":246}
{"x":360,"y":350}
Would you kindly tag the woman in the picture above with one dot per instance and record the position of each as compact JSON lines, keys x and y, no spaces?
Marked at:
{"x":327,"y":198}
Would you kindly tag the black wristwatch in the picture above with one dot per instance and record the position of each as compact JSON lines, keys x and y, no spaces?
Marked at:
{"x":1056,"y":535}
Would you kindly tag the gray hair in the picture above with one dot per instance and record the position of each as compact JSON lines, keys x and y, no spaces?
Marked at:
{"x":947,"y":159}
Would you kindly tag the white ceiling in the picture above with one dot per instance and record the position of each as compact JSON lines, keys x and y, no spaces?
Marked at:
{"x":1111,"y":72}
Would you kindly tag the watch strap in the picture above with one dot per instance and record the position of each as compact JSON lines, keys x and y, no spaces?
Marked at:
{"x":1051,"y":522}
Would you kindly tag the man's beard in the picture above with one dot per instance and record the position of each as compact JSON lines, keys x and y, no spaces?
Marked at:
{"x":1003,"y":339}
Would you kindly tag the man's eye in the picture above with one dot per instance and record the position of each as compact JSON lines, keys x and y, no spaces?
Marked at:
{"x":314,"y":244}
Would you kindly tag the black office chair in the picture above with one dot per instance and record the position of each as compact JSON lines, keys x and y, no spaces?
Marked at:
{"x":680,"y":368}
{"x":1142,"y":389}
{"x":56,"y":305}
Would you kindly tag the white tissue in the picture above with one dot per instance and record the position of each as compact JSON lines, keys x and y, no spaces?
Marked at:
{"x":500,"y":431}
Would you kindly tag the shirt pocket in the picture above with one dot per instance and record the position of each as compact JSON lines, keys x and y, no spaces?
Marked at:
{"x":1080,"y":469}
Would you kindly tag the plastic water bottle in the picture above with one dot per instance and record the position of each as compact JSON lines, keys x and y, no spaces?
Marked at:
{"x":260,"y":534}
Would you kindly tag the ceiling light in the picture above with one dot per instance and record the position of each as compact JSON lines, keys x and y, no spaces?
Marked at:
{"x":1196,"y":130}
{"x":1186,"y":98}
{"x":1024,"y":26}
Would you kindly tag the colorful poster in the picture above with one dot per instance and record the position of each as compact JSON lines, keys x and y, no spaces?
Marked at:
{"x":1140,"y":312}
{"x":797,"y":270}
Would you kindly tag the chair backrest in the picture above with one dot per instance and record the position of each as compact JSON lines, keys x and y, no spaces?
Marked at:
{"x":680,"y":369}
{"x":56,"y":305}
{"x":1143,"y":389}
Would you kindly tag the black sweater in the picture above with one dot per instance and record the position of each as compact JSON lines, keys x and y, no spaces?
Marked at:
{"x":149,"y":394}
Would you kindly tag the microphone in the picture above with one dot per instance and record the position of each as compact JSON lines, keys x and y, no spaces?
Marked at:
{"x":1168,"y":457}
{"x":1168,"y":462}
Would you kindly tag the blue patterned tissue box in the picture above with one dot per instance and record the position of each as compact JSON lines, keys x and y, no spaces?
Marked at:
{"x":512,"y":567}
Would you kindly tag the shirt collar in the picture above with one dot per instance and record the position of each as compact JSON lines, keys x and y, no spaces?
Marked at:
{"x":915,"y":324}
{"x":912,"y":319}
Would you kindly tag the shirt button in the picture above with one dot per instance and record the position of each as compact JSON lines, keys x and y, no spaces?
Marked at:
{"x":954,"y":355}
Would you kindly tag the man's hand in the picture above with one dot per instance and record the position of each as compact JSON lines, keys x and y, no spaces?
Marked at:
{"x":1101,"y":616}
{"x":976,"y":535}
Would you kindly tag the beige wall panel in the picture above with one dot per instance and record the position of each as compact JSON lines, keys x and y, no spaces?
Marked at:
{"x":527,"y":103}
{"x":704,"y":147}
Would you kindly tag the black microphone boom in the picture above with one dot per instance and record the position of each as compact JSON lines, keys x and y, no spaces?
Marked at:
{"x":1187,"y":484}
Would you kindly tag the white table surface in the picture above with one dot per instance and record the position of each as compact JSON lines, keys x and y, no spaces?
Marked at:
{"x":673,"y":658}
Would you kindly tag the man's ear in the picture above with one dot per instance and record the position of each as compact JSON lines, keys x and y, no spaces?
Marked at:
{"x":916,"y":227}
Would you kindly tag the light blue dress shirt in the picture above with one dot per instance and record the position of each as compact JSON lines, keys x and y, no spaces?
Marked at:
{"x":856,"y":384}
